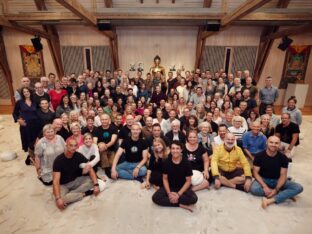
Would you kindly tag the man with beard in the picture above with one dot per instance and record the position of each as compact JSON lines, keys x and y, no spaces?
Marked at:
{"x":224,"y":166}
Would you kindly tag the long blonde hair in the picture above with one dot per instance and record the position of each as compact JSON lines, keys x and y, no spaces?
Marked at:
{"x":164,"y":150}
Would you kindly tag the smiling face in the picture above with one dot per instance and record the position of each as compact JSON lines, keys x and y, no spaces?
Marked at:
{"x":75,"y":130}
{"x":71,"y":146}
{"x":229,"y":140}
{"x":192,"y":138}
{"x":273,"y":144}
{"x":156,"y":131}
{"x":135,"y":131}
{"x":88,"y":141}
{"x":158,"y":147}
{"x":26,"y":92}
{"x":176,"y":151}
{"x":105,"y":120}
{"x":49,"y":134}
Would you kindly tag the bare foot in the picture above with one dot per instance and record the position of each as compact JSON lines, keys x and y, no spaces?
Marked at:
{"x":156,"y":187}
{"x":293,"y":199}
{"x":264,"y":203}
{"x":143,"y":185}
{"x":187,"y":207}
{"x":104,"y":178}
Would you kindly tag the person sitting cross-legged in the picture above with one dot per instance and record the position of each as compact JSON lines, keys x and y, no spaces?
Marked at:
{"x":177,"y":175}
{"x":136,"y":155}
{"x":224,"y":165}
{"x":69,"y":184}
{"x":270,"y":172}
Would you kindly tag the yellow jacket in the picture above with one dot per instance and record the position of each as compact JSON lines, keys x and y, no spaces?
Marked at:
{"x":227,"y":161}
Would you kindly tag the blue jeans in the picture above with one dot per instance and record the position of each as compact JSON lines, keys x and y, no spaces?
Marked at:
{"x":125,"y":170}
{"x":289,"y":189}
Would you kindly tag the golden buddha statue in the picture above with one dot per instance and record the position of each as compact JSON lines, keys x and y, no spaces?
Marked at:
{"x":157,"y":67}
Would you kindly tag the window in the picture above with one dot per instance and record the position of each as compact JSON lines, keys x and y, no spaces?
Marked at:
{"x":87,"y":58}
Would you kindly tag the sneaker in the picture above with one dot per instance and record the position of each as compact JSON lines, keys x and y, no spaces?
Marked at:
{"x":28,"y":161}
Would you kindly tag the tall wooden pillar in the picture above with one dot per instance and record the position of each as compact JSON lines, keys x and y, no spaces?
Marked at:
{"x":53,"y":41}
{"x":5,"y":67}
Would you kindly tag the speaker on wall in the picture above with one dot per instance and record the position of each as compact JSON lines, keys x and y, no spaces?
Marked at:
{"x":104,"y":26}
{"x":213,"y":26}
{"x":286,"y":41}
{"x":36,"y":43}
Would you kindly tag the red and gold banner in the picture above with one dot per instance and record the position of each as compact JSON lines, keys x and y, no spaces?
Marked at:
{"x":28,"y":49}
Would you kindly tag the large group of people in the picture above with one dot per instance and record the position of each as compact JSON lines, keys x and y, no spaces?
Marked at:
{"x":177,"y":135}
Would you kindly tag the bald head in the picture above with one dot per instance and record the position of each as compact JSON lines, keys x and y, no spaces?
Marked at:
{"x":273,"y":144}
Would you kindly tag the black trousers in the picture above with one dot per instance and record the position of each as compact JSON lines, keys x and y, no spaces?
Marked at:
{"x":156,"y":178}
{"x":161,"y":198}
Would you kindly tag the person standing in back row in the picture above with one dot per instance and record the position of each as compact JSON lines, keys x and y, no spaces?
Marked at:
{"x":267,"y":95}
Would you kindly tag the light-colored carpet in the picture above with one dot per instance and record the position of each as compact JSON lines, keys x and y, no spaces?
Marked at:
{"x":26,"y":206}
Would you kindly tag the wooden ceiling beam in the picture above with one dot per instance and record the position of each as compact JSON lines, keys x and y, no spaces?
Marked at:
{"x":75,"y":7}
{"x":244,"y":9}
{"x":282,"y":3}
{"x":207,"y":3}
{"x":42,"y":16}
{"x":200,"y":43}
{"x":279,"y":16}
{"x":200,"y":14}
{"x":108,"y":3}
{"x":22,"y":28}
{"x":53,"y":42}
{"x":265,"y":46}
{"x":55,"y":49}
{"x":40,"y":4}
{"x":305,"y":28}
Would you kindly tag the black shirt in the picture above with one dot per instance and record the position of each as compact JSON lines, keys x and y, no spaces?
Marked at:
{"x":133,"y":149}
{"x":45,"y":117}
{"x":155,"y":165}
{"x":286,"y":132}
{"x":87,"y":130}
{"x":195,"y":158}
{"x":69,"y":167}
{"x":150,"y":140}
{"x":105,"y":135}
{"x":37,"y":98}
{"x":124,"y":132}
{"x":270,"y":167}
{"x":64,"y":133}
{"x":214,"y":126}
{"x":177,"y":173}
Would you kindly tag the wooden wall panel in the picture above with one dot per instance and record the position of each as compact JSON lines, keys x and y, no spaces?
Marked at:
{"x":72,"y":59}
{"x":101,"y":57}
{"x":12,"y":40}
{"x":175,"y":46}
{"x":78,"y":35}
{"x":244,"y":57}
{"x":275,"y":62}
{"x":236,"y":36}
{"x":4,"y":89}
{"x":213,"y":58}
